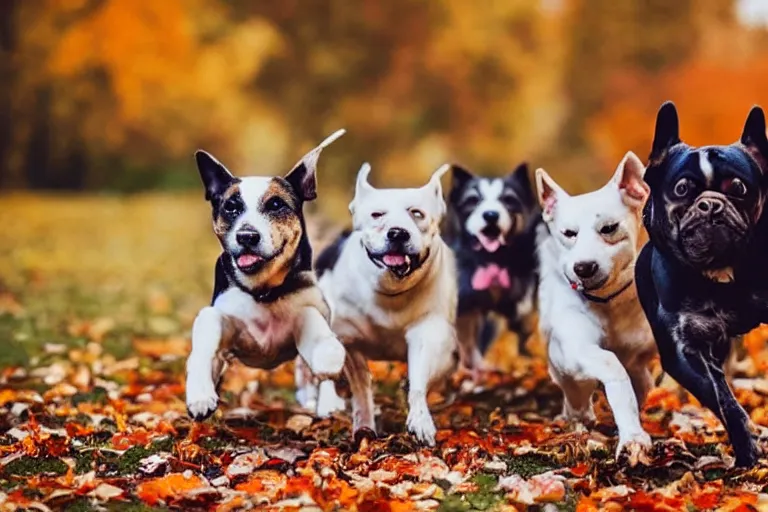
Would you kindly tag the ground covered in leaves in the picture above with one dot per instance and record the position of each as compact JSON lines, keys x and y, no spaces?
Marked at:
{"x":97,"y":296}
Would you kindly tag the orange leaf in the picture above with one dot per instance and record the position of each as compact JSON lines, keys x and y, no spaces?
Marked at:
{"x":266,"y":484}
{"x":171,"y":486}
{"x":159,"y":348}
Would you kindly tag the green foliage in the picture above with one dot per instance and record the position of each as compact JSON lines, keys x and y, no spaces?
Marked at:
{"x":30,"y":466}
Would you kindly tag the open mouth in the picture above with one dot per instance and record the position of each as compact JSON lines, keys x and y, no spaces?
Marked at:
{"x":249,"y":262}
{"x":490,"y":238}
{"x":399,"y":263}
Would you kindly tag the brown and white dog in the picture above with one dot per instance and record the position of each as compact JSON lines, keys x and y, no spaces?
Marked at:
{"x":266,"y":307}
{"x":588,"y":307}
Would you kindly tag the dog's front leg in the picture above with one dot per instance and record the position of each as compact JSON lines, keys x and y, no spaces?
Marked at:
{"x":318,"y":345}
{"x":431,"y":356}
{"x":736,"y":421}
{"x":604,"y":366}
{"x":467,"y":330}
{"x":210,"y":331}
{"x":359,"y":378}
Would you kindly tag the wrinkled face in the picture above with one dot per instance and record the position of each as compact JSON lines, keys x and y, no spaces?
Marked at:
{"x":597,"y":233}
{"x":704,"y":201}
{"x":398,"y":226}
{"x":709,"y":198}
{"x":491,"y":211}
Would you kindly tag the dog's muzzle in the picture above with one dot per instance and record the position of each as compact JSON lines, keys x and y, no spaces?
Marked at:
{"x":711,"y":231}
{"x":398,"y":257}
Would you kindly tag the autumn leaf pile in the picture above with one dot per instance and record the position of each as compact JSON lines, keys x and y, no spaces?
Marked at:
{"x":94,"y":330}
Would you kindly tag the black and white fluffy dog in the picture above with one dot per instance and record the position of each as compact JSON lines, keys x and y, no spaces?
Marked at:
{"x":702,"y":279}
{"x":267,"y":307}
{"x":491,"y":228}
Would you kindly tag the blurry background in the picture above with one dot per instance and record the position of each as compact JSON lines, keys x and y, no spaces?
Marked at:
{"x":102,"y":102}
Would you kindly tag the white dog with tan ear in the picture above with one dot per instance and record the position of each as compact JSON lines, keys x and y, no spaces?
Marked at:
{"x":391,"y":286}
{"x":588,"y":306}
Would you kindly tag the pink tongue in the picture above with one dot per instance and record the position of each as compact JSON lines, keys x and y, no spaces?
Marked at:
{"x":489,"y":244}
{"x":246,"y":260}
{"x":394,"y":260}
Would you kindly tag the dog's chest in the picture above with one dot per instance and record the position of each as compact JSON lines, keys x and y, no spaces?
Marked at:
{"x":626,"y":331}
{"x":270,"y":326}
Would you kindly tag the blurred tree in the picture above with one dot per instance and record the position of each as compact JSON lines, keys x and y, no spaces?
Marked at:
{"x":608,"y":37}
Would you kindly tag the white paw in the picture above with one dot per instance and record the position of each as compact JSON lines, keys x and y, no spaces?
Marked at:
{"x":202,"y":399}
{"x":420,"y":424}
{"x":328,"y":359}
{"x":328,"y":401}
{"x":634,"y":444}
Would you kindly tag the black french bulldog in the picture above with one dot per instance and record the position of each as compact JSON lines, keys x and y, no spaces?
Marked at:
{"x":492,"y":231}
{"x":702,"y":279}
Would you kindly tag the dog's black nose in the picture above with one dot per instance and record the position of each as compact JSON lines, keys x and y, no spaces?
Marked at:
{"x":585,"y":269}
{"x":710,"y":206}
{"x":398,"y":235}
{"x":491,"y":216}
{"x":248,"y":238}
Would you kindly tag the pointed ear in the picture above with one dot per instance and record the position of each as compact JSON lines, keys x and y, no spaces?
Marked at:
{"x":629,"y":178}
{"x":434,"y":189}
{"x":216,"y":178}
{"x":362,"y":187}
{"x":303,"y":176}
{"x":667,"y":132}
{"x":754,"y":138}
{"x":460,"y":177}
{"x":549,"y":193}
{"x":521,"y":177}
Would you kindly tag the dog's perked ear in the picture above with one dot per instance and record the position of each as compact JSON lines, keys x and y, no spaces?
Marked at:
{"x":303,"y":176}
{"x":216,"y":178}
{"x":549,"y":193}
{"x":754,"y":139}
{"x":460,"y":177}
{"x":629,"y":178}
{"x":521,"y":177}
{"x":434,"y":191}
{"x":362,"y":187}
{"x":667,"y":132}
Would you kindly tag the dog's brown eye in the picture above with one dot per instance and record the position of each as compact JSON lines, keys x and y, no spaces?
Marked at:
{"x":609,"y":229}
{"x":274,"y":204}
{"x":736,"y":188}
{"x":377,"y":215}
{"x":417,"y":214}
{"x":569,"y":233}
{"x":681,"y":188}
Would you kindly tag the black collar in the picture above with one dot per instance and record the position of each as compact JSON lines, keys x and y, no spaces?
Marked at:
{"x":292,"y":282}
{"x":606,"y":300}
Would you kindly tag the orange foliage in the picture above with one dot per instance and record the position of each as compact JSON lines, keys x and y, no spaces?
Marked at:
{"x":713,"y":99}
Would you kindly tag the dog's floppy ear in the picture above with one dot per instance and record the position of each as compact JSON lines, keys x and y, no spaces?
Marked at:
{"x":434,"y":189}
{"x":629,"y":178}
{"x":667,"y":132}
{"x":215,"y":176}
{"x":303,"y":176}
{"x":549,"y":193}
{"x":362,"y":187}
{"x":754,"y":138}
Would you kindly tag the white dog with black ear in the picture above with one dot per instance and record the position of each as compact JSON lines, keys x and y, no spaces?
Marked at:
{"x":589,"y":311}
{"x":391,"y":285}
